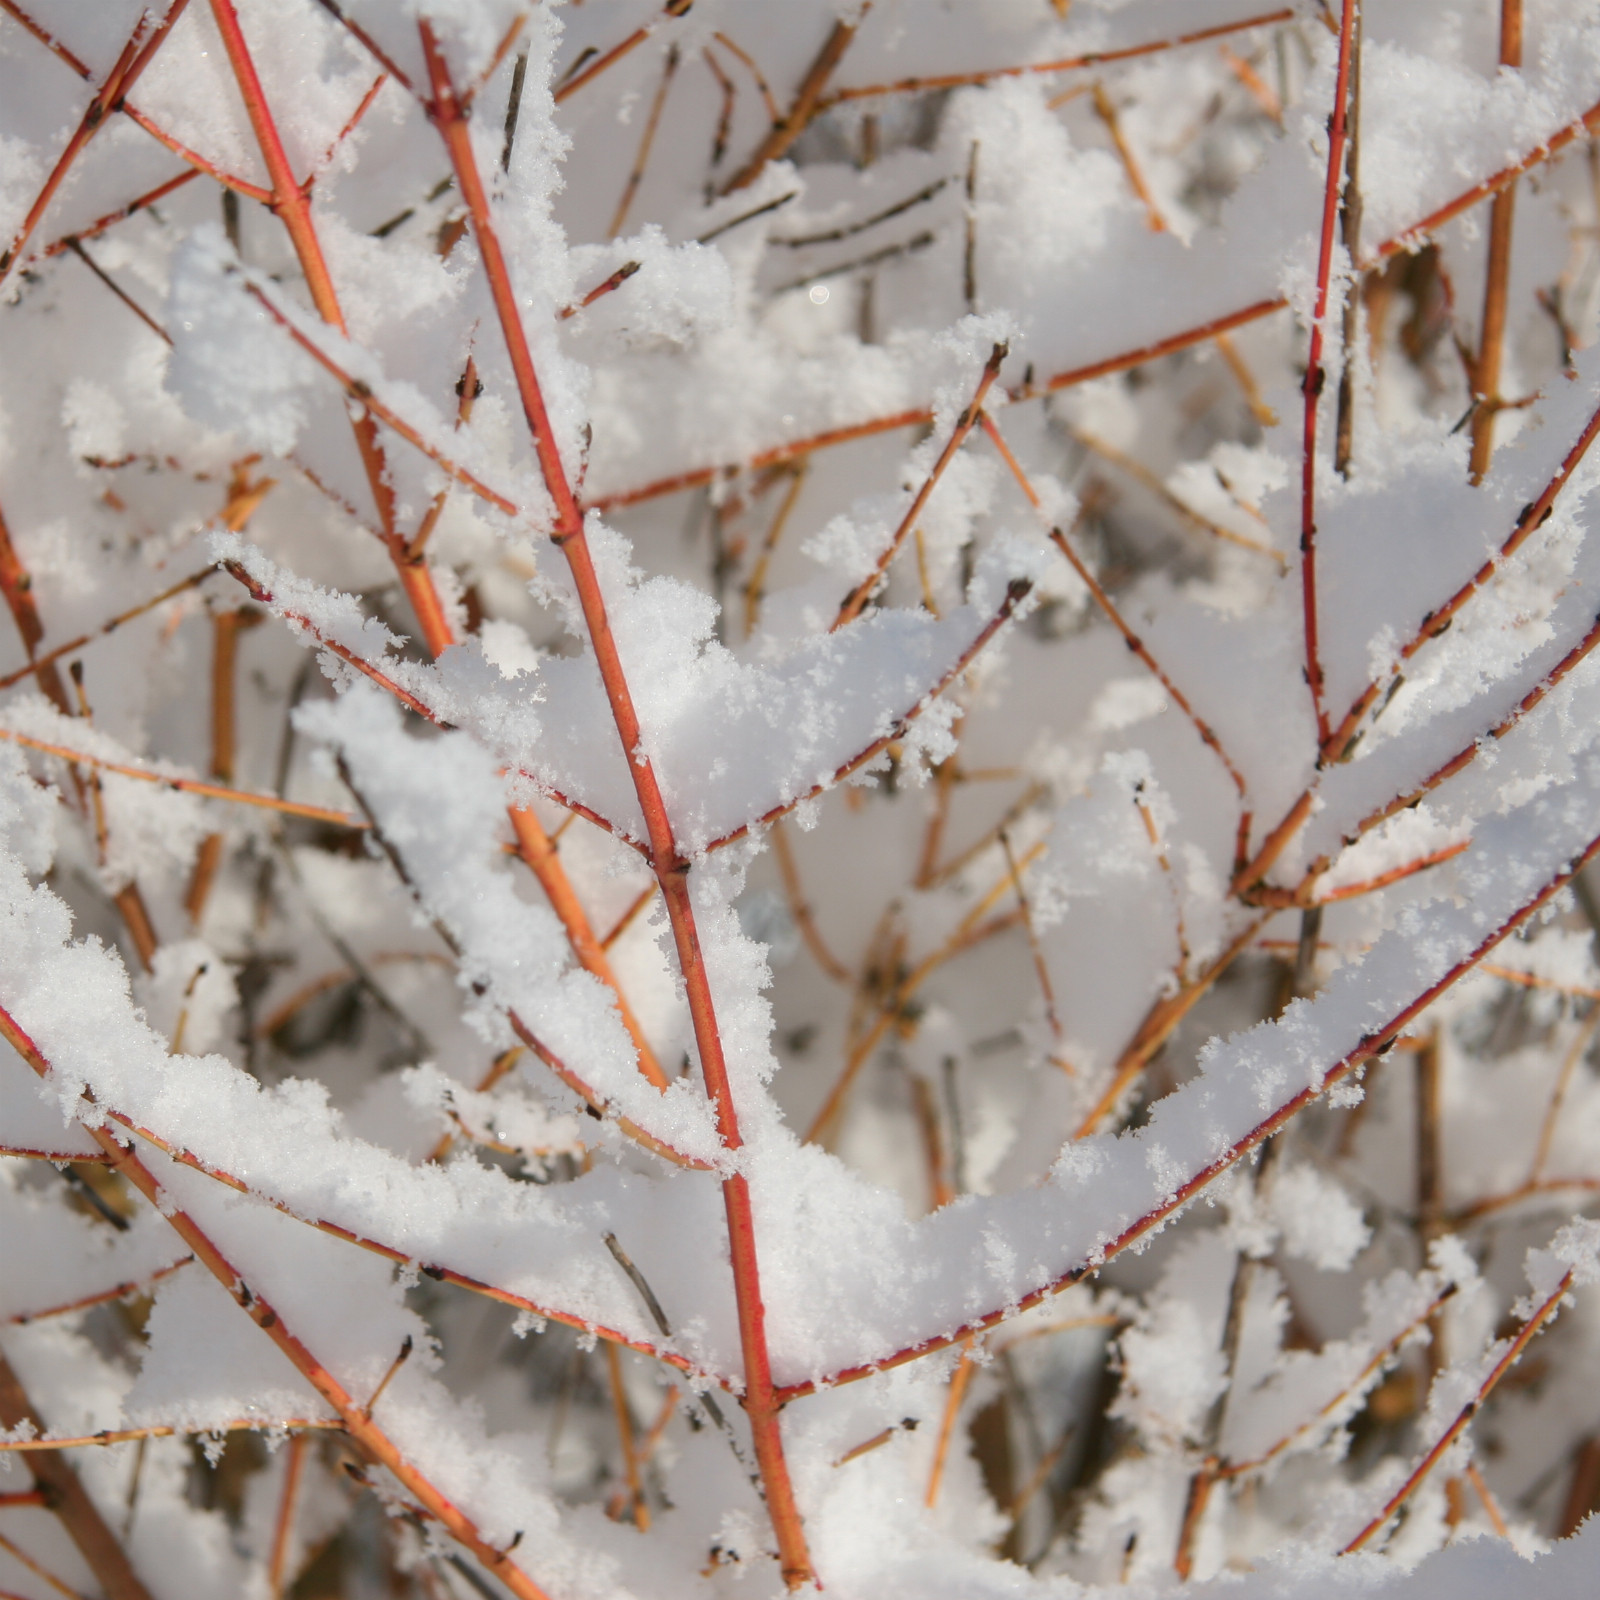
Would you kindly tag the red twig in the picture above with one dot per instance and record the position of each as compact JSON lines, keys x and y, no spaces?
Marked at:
{"x":67,"y":1498}
{"x":213,"y":791}
{"x":1108,"y":606}
{"x":1338,"y":744}
{"x":671,"y":869}
{"x":863,"y":591}
{"x":807,"y":102}
{"x":609,"y":58}
{"x":1142,"y":1227}
{"x":1315,"y":374}
{"x":1018,"y":590}
{"x":118,"y":1291}
{"x":292,"y":202}
{"x":136,"y":55}
{"x":122,"y":213}
{"x":1513,"y":1354}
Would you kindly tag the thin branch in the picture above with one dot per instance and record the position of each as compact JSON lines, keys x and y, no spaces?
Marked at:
{"x":1097,"y":58}
{"x":1497,"y":280}
{"x":118,"y":1291}
{"x":1372,"y":1046}
{"x":72,"y":1506}
{"x":646,"y":141}
{"x":136,"y":55}
{"x":1106,"y":604}
{"x":1016,"y":592}
{"x":1545,"y":1312}
{"x":800,"y":907}
{"x":806,"y":104}
{"x":211,"y":791}
{"x":569,"y":86}
{"x":182,"y":586}
{"x":1315,"y":374}
{"x":856,"y":600}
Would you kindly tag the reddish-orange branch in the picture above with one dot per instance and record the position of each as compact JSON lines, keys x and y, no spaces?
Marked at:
{"x":863,"y":591}
{"x":1497,"y":280}
{"x":609,"y":58}
{"x":17,"y":584}
{"x":1340,"y":741}
{"x":1513,"y":1354}
{"x":136,"y":55}
{"x":535,"y":847}
{"x":671,"y":869}
{"x":807,"y":102}
{"x":352,"y":1414}
{"x":1108,"y":606}
{"x":291,"y":201}
{"x":1315,"y":374}
{"x":1373,"y":1045}
{"x":1017,"y":591}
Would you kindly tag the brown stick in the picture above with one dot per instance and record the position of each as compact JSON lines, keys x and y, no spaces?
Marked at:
{"x":17,"y":584}
{"x":66,"y":1497}
{"x":1497,"y":280}
{"x":807,"y":102}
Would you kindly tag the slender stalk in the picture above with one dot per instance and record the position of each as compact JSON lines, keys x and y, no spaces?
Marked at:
{"x":353,"y":1416}
{"x":136,"y":55}
{"x":16,"y":582}
{"x":212,"y":791}
{"x":807,"y":102}
{"x":140,"y":203}
{"x":193,"y":581}
{"x":1497,"y":280}
{"x":863,"y":591}
{"x":1350,"y":236}
{"x":1315,"y":373}
{"x":1097,"y":58}
{"x":283,"y":1529}
{"x":1108,"y":606}
{"x":100,"y":1297}
{"x":672,"y":870}
{"x":291,"y":202}
{"x":535,"y":848}
{"x":646,"y":141}
{"x":609,"y":58}
{"x":1373,"y":1045}
{"x":1513,"y":1354}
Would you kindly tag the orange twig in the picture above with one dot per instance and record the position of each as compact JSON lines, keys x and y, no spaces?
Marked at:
{"x":672,"y":871}
{"x":136,"y":55}
{"x":646,"y":140}
{"x":1497,"y":280}
{"x":807,"y":102}
{"x":283,"y":1528}
{"x":72,"y":1506}
{"x":212,"y":791}
{"x":118,"y":1291}
{"x":959,"y":1381}
{"x":1107,"y":113}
